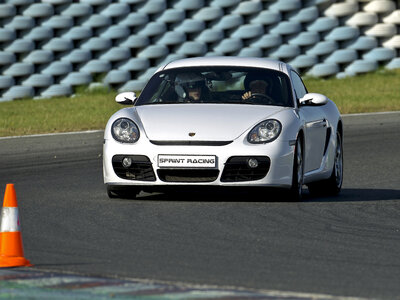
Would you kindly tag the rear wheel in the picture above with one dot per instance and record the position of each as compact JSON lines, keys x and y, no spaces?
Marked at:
{"x":298,"y":172}
{"x":333,"y":184}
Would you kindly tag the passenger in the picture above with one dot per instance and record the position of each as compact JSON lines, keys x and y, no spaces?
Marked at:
{"x":191,"y":87}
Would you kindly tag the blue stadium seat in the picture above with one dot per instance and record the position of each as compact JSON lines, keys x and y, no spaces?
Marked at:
{"x":305,"y":38}
{"x":303,"y":61}
{"x":169,"y":58}
{"x":324,"y":70}
{"x":190,"y":26}
{"x":96,"y":21}
{"x":250,"y":52}
{"x":135,"y":64}
{"x":393,"y":64}
{"x":323,"y":48}
{"x":57,"y":90}
{"x":7,"y":10}
{"x":59,"y":22}
{"x":153,"y":51}
{"x":133,"y":86}
{"x":19,"y":92}
{"x":7,"y":58}
{"x":172,"y":38}
{"x":77,"y":78}
{"x":248,"y":7}
{"x":267,"y":41}
{"x":285,"y":5}
{"x":285,"y":52}
{"x":115,"y":32}
{"x":77,"y":10}
{"x":343,"y":33}
{"x":361,"y":66}
{"x":305,"y":15}
{"x":286,"y":28}
{"x":210,"y":36}
{"x":97,"y":44}
{"x":342,"y":56}
{"x":229,"y":22}
{"x":116,"y":54}
{"x":117,"y":77}
{"x":363,"y":43}
{"x":58,"y":68}
{"x":96,"y":66}
{"x":116,"y":10}
{"x":6,"y":82}
{"x":38,"y":80}
{"x":172,"y":15}
{"x":96,"y":2}
{"x":267,"y":17}
{"x":7,"y":35}
{"x":152,"y":7}
{"x":209,"y":13}
{"x":19,"y":69}
{"x":224,"y":3}
{"x":189,"y":5}
{"x":153,"y":29}
{"x":40,"y":33}
{"x":39,"y":10}
{"x":21,"y":23}
{"x":248,"y":31}
{"x":77,"y":56}
{"x":136,"y":42}
{"x":20,"y":46}
{"x":147,"y":74}
{"x":228,"y":46}
{"x":58,"y":45}
{"x":323,"y":24}
{"x":39,"y":57}
{"x":134,"y":19}
{"x":380,"y":54}
{"x":192,"y":48}
{"x":78,"y":33}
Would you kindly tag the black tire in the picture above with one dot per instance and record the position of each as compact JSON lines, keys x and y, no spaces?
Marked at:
{"x":122,"y":192}
{"x":332,"y":185}
{"x":295,"y":192}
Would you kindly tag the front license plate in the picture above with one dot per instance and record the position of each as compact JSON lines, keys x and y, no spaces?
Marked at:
{"x":187,"y":161}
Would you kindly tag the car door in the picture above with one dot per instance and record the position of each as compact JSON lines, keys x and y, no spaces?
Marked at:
{"x":315,"y":128}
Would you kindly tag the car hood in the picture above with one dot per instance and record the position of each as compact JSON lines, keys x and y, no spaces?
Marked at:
{"x":206,"y":122}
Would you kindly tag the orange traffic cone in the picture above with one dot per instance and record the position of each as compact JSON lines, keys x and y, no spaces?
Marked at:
{"x":11,"y":250}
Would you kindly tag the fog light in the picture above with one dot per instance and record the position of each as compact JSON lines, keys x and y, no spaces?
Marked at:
{"x":252,"y":163}
{"x":127,"y":162}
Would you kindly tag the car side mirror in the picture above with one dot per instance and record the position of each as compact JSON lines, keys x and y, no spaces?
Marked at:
{"x":313,"y":99}
{"x":126,"y":98}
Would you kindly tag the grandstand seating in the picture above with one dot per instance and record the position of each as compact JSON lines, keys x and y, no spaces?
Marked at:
{"x":47,"y":48}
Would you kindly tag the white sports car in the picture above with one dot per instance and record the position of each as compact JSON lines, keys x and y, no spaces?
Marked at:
{"x":224,"y":121}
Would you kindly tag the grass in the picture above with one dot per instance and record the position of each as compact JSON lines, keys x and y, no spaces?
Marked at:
{"x":373,"y":92}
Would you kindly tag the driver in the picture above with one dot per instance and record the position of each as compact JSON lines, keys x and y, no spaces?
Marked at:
{"x":255,"y":85}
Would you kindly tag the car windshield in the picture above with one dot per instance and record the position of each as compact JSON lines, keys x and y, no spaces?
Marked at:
{"x":218,"y":85}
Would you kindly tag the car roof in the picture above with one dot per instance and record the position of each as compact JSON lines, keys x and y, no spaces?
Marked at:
{"x":255,"y":62}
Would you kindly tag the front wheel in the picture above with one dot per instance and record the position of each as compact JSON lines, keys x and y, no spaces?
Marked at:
{"x":298,"y":172}
{"x":333,"y":184}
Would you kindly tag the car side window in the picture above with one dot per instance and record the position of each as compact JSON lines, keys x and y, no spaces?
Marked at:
{"x":298,"y":85}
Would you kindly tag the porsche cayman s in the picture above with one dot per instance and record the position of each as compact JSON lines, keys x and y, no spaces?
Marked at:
{"x":224,"y":121}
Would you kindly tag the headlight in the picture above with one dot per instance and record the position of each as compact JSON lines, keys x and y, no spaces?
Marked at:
{"x":265,"y":132}
{"x":125,"y":131}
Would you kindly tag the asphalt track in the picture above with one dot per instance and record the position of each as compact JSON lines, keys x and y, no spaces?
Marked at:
{"x":347,"y":245}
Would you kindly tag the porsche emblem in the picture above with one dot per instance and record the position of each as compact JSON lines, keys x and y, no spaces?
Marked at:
{"x":192,"y":133}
